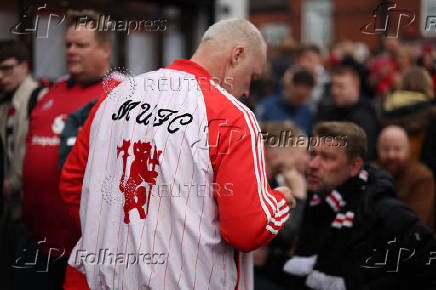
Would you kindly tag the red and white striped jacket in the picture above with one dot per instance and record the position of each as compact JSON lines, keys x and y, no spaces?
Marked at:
{"x":169,"y":172}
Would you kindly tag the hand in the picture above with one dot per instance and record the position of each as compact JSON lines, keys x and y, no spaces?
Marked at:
{"x":7,"y":188}
{"x":288,"y":196}
{"x":296,"y":182}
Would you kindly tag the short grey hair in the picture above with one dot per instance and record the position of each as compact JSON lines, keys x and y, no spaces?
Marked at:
{"x":235,"y":30}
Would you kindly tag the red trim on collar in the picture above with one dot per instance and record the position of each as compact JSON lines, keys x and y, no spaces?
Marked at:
{"x":190,"y":67}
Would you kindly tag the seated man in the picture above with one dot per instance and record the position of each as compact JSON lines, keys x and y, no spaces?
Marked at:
{"x":414,"y":180}
{"x":355,"y":234}
{"x":292,"y":104}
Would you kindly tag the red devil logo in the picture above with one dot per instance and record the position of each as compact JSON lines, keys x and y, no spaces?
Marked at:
{"x":134,"y":189}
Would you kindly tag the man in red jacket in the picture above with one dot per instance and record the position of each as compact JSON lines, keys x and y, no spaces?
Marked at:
{"x":87,"y":55}
{"x":175,"y":185}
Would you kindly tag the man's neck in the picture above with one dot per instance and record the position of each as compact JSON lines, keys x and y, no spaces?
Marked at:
{"x":209,"y":63}
{"x":87,"y":78}
{"x":351,"y":103}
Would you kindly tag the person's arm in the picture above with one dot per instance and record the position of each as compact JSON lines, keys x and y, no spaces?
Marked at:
{"x":71,"y":180}
{"x":21,"y":125}
{"x":250,"y":212}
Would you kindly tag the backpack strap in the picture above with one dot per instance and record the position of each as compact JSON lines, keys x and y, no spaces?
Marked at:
{"x":33,"y":100}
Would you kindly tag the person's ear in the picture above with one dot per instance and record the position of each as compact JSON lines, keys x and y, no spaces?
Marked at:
{"x":356,"y":165}
{"x":107,"y":48}
{"x":25,"y":65}
{"x":237,"y":54}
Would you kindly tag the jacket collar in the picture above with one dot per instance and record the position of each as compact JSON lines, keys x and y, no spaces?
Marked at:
{"x":190,"y":67}
{"x":346,"y":193}
{"x":71,"y":82}
{"x":20,"y":95}
{"x":6,"y":98}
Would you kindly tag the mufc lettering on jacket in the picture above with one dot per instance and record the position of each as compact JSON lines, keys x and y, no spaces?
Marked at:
{"x":131,"y":148}
{"x":144,"y":116}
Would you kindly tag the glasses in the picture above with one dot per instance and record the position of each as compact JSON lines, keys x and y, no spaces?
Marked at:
{"x":7,"y":69}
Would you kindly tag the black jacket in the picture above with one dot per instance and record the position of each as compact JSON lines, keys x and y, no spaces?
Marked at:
{"x":2,"y":155}
{"x":385,"y":246}
{"x":73,"y":124}
{"x":363,"y":114}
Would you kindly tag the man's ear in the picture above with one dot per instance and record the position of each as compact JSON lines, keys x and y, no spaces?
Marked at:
{"x":237,"y":54}
{"x":25,"y":66}
{"x":356,"y":165}
{"x":107,"y":48}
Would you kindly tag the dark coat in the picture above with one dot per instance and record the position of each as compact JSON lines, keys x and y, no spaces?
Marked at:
{"x":362,"y":114}
{"x":383,"y":246}
{"x":73,"y":123}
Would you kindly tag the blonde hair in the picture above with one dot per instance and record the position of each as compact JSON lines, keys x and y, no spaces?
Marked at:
{"x":101,"y":35}
{"x":417,"y":79}
{"x":235,"y":30}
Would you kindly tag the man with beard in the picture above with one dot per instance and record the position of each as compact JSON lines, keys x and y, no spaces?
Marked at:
{"x":414,"y":180}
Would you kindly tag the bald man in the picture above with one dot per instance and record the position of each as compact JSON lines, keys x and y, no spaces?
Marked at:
{"x":171,"y":179}
{"x":414,"y":180}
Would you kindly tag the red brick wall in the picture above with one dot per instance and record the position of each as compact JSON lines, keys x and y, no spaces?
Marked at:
{"x":292,"y":16}
{"x":413,"y":6}
{"x":348,"y":18}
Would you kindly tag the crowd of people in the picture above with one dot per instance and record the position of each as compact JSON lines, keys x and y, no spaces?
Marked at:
{"x":390,"y":95}
{"x":373,"y":190}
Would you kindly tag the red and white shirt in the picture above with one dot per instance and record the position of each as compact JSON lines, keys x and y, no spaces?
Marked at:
{"x":169,"y":172}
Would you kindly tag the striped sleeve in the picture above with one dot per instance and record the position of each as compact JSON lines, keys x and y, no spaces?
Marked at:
{"x":250,"y":212}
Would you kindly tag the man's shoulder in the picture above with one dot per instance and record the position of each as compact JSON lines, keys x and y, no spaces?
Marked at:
{"x":416,"y":170}
{"x":219,"y":101}
{"x":59,"y":84}
{"x":271,"y":108}
{"x":362,"y":113}
{"x":392,"y":214}
{"x":271,"y":100}
{"x":379,"y":196}
{"x":24,"y":90}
